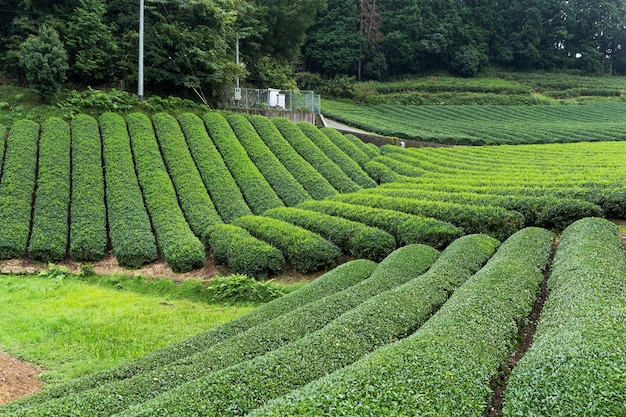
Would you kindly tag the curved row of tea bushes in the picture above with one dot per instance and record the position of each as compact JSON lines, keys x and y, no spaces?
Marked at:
{"x":495,"y":221}
{"x":576,"y":365}
{"x":241,"y":251}
{"x":48,"y":239}
{"x":381,"y":172}
{"x":256,"y":190}
{"x":399,"y":167}
{"x":192,"y":194}
{"x":222,"y":188}
{"x":129,"y":225}
{"x":88,"y":232}
{"x":17,"y":188}
{"x":354,"y":238}
{"x":346,"y":146}
{"x":304,"y":250}
{"x":342,"y":277}
{"x":313,"y":182}
{"x":290,"y":191}
{"x":446,"y":367}
{"x":369,"y":149}
{"x":546,"y":212}
{"x":336,"y":155}
{"x":406,"y":228}
{"x":181,"y":249}
{"x":302,"y":324}
{"x":314,"y":156}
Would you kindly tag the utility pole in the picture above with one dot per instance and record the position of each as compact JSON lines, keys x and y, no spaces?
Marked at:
{"x":140,"y":76}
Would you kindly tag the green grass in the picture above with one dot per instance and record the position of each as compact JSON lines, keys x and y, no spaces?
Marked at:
{"x":72,"y":328}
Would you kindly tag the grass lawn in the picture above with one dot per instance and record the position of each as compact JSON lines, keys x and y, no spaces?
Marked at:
{"x":71,"y":328}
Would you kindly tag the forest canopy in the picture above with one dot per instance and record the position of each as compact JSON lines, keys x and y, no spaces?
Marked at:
{"x":191,"y":43}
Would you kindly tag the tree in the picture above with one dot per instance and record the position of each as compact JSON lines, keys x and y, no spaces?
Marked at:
{"x":44,"y":60}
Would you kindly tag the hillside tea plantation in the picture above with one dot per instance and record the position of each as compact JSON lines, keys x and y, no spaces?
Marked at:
{"x":432,"y":260}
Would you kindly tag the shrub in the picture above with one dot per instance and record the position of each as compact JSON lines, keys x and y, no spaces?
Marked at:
{"x":257,"y":191}
{"x":381,"y":172}
{"x":181,"y":249}
{"x":369,"y":149}
{"x":349,"y":148}
{"x":290,"y":191}
{"x":242,"y":252}
{"x":334,"y":281}
{"x":356,"y":239}
{"x":192,"y":194}
{"x":313,"y":182}
{"x":576,"y":363}
{"x":88,"y":233}
{"x":304,"y":250}
{"x":406,"y":228}
{"x":17,"y":188}
{"x":313,"y":155}
{"x":343,"y":161}
{"x":220,"y":184}
{"x":129,"y":225}
{"x":48,"y":240}
{"x":449,"y":362}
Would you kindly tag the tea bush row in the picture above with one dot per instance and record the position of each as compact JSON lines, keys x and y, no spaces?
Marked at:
{"x":446,"y":367}
{"x":181,"y":249}
{"x":347,"y":146}
{"x":290,"y":191}
{"x":48,"y":240}
{"x":256,"y":190}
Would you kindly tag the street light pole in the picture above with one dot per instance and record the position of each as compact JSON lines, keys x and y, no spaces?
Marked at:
{"x":140,"y":76}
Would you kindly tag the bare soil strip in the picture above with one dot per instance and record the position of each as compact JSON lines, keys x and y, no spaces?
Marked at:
{"x":17,"y":379}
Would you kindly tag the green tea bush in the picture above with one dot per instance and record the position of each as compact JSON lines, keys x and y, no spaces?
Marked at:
{"x":17,"y":188}
{"x":256,"y":190}
{"x":349,"y":148}
{"x":305,"y":251}
{"x":129,"y":225}
{"x":370,"y":150}
{"x":313,"y":155}
{"x":354,"y":238}
{"x":406,"y":228}
{"x":242,"y":252}
{"x":576,"y":364}
{"x":48,"y":240}
{"x":181,"y":249}
{"x":343,"y":161}
{"x":290,"y":191}
{"x":342,"y":277}
{"x":192,"y":194}
{"x":88,"y":233}
{"x":495,"y":221}
{"x":313,"y":182}
{"x":219,"y":182}
{"x":400,"y":167}
{"x":449,"y":363}
{"x":381,"y":172}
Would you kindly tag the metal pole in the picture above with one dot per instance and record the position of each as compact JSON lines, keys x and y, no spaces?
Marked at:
{"x":140,"y":77}
{"x":237,"y":61}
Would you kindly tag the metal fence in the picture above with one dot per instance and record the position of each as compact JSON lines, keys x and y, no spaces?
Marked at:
{"x":272,"y":98}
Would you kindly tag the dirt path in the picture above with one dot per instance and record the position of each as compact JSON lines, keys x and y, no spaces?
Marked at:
{"x":17,"y":379}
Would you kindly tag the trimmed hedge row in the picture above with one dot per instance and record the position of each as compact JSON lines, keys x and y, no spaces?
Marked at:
{"x":88,"y":232}
{"x":256,"y":190}
{"x":401,"y":266}
{"x":401,"y":168}
{"x":576,"y":365}
{"x":48,"y":239}
{"x":192,"y":194}
{"x":495,"y":221}
{"x":241,"y":251}
{"x":547,"y":212}
{"x":343,"y":161}
{"x":447,"y":366}
{"x":129,"y":225}
{"x":181,"y":249}
{"x":349,"y":148}
{"x":369,"y":149}
{"x":332,"y":282}
{"x":314,"y":156}
{"x":354,"y":238}
{"x":304,"y":250}
{"x":290,"y":191}
{"x":17,"y":187}
{"x":222,"y":188}
{"x":313,"y":182}
{"x":380,"y":172}
{"x":406,"y":228}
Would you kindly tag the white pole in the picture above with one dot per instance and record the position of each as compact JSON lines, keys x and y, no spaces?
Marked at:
{"x":237,"y":61}
{"x":140,"y":78}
